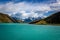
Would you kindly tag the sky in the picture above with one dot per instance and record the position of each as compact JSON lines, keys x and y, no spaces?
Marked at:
{"x":23,"y":9}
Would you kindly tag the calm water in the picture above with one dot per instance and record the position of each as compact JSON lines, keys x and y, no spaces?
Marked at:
{"x":29,"y":32}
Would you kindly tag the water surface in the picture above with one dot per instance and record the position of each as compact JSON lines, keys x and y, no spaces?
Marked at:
{"x":29,"y":32}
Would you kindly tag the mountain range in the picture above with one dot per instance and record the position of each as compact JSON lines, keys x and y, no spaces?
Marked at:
{"x":31,"y":19}
{"x":52,"y":19}
{"x":5,"y":18}
{"x":18,"y":16}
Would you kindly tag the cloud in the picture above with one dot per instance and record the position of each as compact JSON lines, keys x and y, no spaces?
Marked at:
{"x":55,"y":6}
{"x":22,"y":8}
{"x":26,"y":10}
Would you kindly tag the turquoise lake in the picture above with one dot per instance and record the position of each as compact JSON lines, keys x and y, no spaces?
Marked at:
{"x":22,"y":31}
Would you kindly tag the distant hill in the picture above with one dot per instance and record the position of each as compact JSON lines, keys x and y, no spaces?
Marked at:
{"x":31,"y":19}
{"x":4,"y":18}
{"x":19,"y":16}
{"x":52,"y":19}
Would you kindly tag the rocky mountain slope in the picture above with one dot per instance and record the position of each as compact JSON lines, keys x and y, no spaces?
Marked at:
{"x":4,"y":18}
{"x":52,"y":19}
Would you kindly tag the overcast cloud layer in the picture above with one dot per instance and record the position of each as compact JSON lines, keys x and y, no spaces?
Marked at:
{"x":24,"y":10}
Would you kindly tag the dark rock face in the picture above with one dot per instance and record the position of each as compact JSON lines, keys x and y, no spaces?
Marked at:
{"x":52,"y":19}
{"x":4,"y":18}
